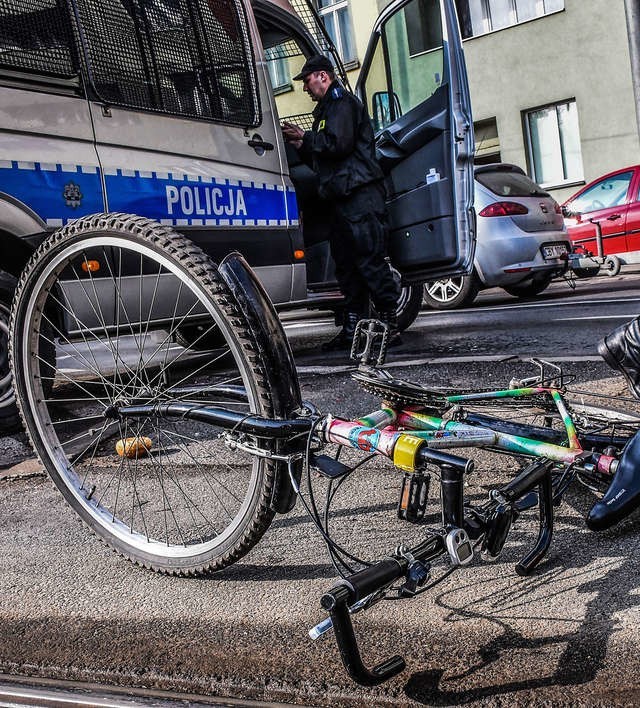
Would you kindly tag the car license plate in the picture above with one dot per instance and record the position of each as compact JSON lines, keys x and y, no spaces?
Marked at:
{"x":554,"y":251}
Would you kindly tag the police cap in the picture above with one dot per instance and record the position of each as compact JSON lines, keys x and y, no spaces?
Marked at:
{"x":317,"y":62}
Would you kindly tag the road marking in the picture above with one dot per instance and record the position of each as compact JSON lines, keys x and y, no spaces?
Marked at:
{"x":595,"y":317}
{"x":408,"y":363}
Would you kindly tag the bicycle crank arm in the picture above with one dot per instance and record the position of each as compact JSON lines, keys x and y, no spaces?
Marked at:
{"x":221,"y":417}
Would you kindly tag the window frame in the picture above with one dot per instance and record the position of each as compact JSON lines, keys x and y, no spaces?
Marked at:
{"x":567,"y":181}
{"x":332,"y":9}
{"x":486,"y":17}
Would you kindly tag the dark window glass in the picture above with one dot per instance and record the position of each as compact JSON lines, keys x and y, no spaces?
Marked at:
{"x":424,"y":30}
{"x":187,"y":58}
{"x":510,"y":184}
{"x":35,"y":36}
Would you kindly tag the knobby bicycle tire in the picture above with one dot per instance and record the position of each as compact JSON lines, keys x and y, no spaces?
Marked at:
{"x":112,"y":292}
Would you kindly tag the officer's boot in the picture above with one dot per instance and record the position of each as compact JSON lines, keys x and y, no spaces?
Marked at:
{"x":623,"y":495}
{"x":621,"y":350}
{"x":344,"y":338}
{"x":390,"y":318}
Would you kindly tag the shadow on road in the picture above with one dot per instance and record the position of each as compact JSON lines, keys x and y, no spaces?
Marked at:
{"x":575,"y":657}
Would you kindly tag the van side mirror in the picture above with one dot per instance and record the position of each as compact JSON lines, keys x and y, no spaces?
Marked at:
{"x":381,"y":110}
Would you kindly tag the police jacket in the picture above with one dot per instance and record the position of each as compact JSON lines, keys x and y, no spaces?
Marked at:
{"x":340,"y":146}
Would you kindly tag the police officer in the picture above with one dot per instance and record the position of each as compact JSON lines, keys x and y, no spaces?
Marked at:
{"x":340,"y":149}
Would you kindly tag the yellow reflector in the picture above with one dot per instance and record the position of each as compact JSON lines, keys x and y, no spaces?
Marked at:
{"x":90,"y":266}
{"x":405,"y":451}
{"x":298,"y":255}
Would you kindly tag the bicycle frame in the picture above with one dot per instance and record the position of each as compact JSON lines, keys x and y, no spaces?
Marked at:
{"x":413,"y":437}
{"x":382,"y":432}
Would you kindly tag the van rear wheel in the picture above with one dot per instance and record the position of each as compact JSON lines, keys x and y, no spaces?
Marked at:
{"x":9,"y":416}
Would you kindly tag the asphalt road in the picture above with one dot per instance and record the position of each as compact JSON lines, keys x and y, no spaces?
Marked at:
{"x":568,"y":635}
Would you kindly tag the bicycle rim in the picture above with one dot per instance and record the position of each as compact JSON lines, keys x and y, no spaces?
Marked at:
{"x":114,"y":291}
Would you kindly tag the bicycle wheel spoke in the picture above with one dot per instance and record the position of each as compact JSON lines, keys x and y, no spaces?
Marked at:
{"x":154,"y":324}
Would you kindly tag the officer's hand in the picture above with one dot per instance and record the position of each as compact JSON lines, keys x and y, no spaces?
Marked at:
{"x":292,"y":133}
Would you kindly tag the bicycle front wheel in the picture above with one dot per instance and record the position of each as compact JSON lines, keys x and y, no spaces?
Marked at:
{"x":113,"y":293}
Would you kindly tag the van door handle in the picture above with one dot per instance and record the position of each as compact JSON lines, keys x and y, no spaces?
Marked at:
{"x":259,"y":145}
{"x":614,"y":217}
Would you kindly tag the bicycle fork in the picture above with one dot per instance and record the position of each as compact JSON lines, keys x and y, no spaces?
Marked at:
{"x":361,"y":589}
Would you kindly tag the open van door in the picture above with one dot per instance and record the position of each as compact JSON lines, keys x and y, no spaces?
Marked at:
{"x":414,"y":85}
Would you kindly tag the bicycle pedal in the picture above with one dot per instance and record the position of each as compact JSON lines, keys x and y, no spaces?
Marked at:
{"x":370,"y":343}
{"x":414,"y":496}
{"x":328,"y":466}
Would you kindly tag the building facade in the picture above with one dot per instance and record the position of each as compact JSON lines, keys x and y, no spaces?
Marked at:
{"x":550,"y":82}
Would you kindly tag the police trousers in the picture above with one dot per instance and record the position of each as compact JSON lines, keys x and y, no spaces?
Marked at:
{"x":358,"y":247}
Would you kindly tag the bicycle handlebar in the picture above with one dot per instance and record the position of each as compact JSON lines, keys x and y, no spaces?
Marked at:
{"x":356,"y":587}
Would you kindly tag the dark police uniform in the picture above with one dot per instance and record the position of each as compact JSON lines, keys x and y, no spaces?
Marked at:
{"x":340,"y":149}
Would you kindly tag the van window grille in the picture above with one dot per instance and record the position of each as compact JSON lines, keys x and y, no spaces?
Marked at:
{"x":285,"y":50}
{"x":35,"y":37}
{"x":186,"y":57}
{"x":304,"y":120}
{"x":309,"y":16}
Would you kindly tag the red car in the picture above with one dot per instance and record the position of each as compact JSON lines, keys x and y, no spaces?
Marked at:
{"x":613,"y":202}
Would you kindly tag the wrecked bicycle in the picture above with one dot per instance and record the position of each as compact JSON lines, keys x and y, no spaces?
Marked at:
{"x":160,"y":393}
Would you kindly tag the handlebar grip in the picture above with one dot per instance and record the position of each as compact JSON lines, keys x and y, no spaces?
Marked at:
{"x":366,"y":581}
{"x":530,"y":477}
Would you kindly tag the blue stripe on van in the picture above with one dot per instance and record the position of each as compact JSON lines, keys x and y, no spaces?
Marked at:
{"x":60,"y":193}
{"x":56,"y":193}
{"x":182,"y":199}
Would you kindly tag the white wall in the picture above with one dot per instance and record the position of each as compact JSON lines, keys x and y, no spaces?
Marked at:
{"x":579,"y":53}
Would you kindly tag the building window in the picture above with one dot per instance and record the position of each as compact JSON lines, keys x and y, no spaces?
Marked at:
{"x":278,"y":67}
{"x":337,"y":19}
{"x":482,"y":16}
{"x":553,"y":141}
{"x":487,"y":142}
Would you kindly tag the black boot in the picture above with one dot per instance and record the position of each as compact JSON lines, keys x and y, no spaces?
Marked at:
{"x":621,"y":350}
{"x":623,"y":495}
{"x":390,"y":318}
{"x":344,"y":338}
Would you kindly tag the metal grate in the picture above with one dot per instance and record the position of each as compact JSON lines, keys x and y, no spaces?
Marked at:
{"x":309,"y":16}
{"x":286,"y":50}
{"x":304,"y":120}
{"x":177,"y":56}
{"x":316,"y":28}
{"x":35,"y":36}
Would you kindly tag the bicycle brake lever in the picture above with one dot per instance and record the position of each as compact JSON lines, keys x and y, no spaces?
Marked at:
{"x":336,"y":602}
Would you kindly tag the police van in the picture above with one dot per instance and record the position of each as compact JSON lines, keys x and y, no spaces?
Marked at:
{"x":166,"y":109}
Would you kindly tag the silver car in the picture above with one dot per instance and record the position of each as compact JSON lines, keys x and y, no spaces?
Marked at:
{"x":522,"y":242}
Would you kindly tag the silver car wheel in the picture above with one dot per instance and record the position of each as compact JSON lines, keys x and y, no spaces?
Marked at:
{"x":445,"y":290}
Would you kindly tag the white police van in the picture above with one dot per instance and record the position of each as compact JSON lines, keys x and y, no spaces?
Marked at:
{"x":165,"y":109}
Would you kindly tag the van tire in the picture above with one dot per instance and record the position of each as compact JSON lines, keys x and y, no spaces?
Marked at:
{"x":409,"y":305}
{"x":9,"y":416}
